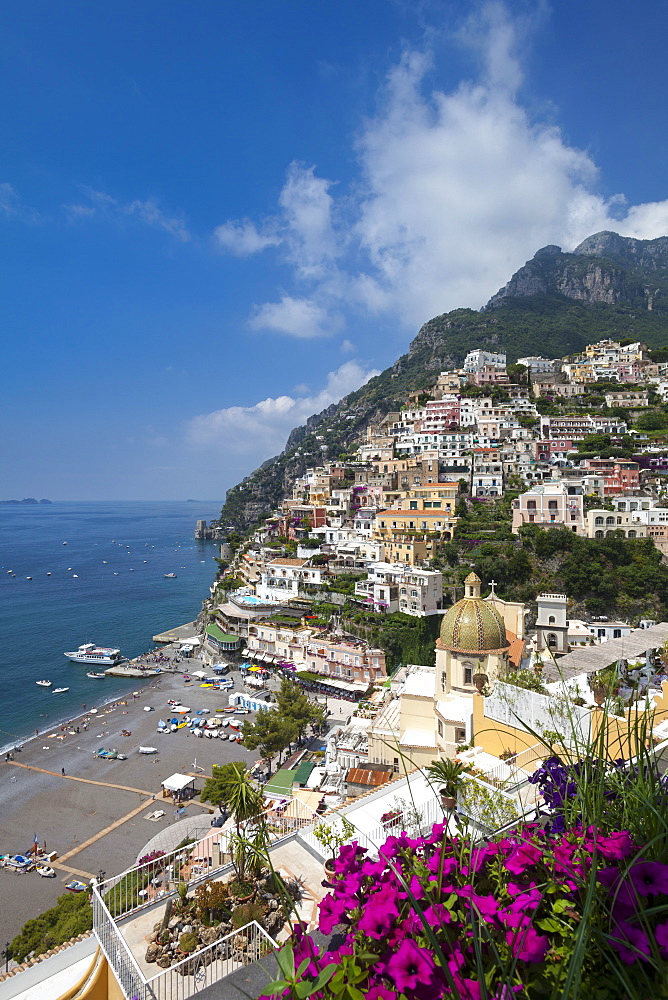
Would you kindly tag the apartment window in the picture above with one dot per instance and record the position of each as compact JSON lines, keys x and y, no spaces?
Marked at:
{"x":443,"y":679}
{"x":460,"y":736}
{"x":468,"y":675}
{"x":440,"y":728}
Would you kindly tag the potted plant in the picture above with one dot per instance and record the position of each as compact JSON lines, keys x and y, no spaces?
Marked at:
{"x":333,"y":838}
{"x":448,"y":773}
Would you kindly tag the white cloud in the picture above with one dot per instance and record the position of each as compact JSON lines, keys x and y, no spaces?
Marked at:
{"x":12,"y":207}
{"x":455,"y":191}
{"x":297,"y":317}
{"x":347,"y":347}
{"x":263,"y":428}
{"x":148,"y":212}
{"x":243,"y":238}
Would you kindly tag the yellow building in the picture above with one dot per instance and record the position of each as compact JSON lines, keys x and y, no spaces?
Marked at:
{"x":433,"y":713}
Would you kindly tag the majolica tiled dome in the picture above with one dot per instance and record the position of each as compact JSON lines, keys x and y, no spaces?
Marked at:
{"x":472,"y":625}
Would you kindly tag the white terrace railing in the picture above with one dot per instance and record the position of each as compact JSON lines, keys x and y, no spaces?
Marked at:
{"x":192,"y":974}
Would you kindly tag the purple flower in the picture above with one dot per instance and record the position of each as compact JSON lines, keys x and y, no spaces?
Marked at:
{"x":661,"y":935}
{"x":380,"y":992}
{"x":348,"y":857}
{"x":631,"y":943}
{"x":410,"y":965}
{"x":650,"y":878}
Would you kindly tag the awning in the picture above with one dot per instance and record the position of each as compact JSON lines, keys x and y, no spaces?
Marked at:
{"x":177,"y":782}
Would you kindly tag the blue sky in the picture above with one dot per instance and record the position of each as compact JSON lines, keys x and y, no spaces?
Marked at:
{"x":218,"y":217}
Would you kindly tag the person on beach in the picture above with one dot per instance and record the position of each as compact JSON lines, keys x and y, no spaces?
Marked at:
{"x":62,"y":771}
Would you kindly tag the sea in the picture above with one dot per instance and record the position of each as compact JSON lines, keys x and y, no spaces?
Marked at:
{"x":107,"y":563}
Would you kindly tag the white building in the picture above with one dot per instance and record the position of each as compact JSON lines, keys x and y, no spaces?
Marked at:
{"x":394,"y":587}
{"x":283,"y":578}
{"x":537,"y":365}
{"x":475,"y":360}
{"x":551,"y":505}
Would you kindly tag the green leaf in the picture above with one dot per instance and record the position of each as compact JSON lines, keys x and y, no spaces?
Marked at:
{"x":324,"y":976}
{"x":549,"y":924}
{"x":304,"y":989}
{"x":286,"y":962}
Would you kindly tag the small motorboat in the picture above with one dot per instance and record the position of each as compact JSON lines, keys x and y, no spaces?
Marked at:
{"x":45,"y":871}
{"x":170,"y":576}
{"x":96,"y":675}
{"x":43,"y":684}
{"x":18,"y":861}
{"x":76,"y":886}
{"x":148,"y":750}
{"x":59,"y":690}
{"x":149,"y":708}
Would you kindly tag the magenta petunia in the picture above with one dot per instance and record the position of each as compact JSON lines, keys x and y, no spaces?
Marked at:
{"x":380,"y":992}
{"x":649,"y":878}
{"x":631,"y":943}
{"x":410,"y":965}
{"x":521,"y":857}
{"x":614,"y":846}
{"x":527,"y":945}
{"x":378,"y":917}
{"x":661,"y":936}
{"x":331,"y":912}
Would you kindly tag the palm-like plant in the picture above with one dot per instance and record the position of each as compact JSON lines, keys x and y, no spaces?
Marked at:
{"x":448,"y":773}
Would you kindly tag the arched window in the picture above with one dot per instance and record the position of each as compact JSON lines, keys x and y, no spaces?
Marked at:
{"x":609,"y":520}
{"x":598,"y":520}
{"x":631,"y":534}
{"x":598,"y":534}
{"x":552,"y":640}
{"x":551,"y":620}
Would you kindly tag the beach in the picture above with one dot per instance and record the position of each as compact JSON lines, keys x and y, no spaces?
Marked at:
{"x":94,"y":814}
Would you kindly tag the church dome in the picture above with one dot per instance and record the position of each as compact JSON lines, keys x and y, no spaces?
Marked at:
{"x":472,"y":625}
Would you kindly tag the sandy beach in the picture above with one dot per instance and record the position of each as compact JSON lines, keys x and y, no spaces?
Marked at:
{"x":93,"y":815}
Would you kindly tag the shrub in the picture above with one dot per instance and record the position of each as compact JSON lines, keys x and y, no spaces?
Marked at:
{"x":188,"y":942}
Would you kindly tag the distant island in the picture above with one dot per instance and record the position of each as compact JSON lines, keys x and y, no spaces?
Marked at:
{"x":27,"y":500}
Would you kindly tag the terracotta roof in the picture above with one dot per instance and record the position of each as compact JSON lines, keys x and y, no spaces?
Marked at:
{"x":516,"y":650}
{"x":360,"y":776}
{"x":287,"y":562}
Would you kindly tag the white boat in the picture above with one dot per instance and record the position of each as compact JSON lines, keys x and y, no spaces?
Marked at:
{"x":43,"y":684}
{"x":148,"y":749}
{"x":59,"y":690}
{"x":170,"y":576}
{"x":45,"y":871}
{"x":96,"y":674}
{"x":90,"y":653}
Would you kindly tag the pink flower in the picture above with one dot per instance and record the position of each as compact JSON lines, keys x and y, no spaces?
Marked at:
{"x":410,"y":965}
{"x":380,"y":992}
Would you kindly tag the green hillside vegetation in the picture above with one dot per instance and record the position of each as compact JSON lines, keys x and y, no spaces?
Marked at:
{"x":72,"y":915}
{"x":612,"y":576}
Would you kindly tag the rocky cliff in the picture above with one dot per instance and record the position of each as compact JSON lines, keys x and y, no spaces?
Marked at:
{"x":605,"y":268}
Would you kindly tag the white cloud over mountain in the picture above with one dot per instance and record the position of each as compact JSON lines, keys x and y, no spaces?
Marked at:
{"x":262,"y":429}
{"x":454,"y":191}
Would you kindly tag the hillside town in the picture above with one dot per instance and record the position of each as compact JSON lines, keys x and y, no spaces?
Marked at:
{"x":358,"y":552}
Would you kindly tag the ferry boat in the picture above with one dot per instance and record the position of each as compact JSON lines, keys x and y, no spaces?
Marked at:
{"x":90,"y":653}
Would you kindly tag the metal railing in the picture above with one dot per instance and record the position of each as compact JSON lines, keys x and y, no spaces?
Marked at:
{"x":234,"y":951}
{"x":128,"y":974}
{"x":160,"y":877}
